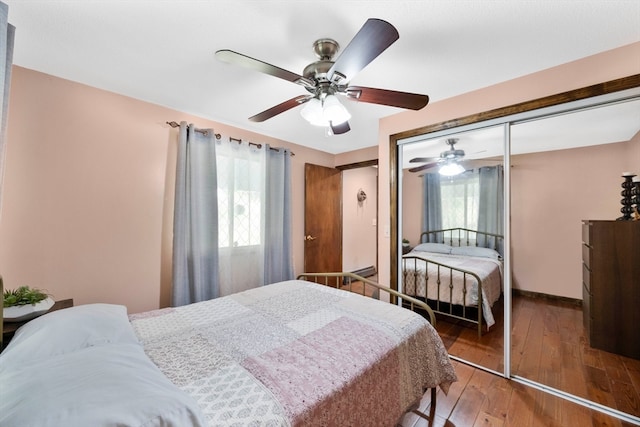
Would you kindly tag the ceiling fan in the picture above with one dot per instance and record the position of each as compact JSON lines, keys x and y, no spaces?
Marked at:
{"x":326,"y":78}
{"x":449,"y":160}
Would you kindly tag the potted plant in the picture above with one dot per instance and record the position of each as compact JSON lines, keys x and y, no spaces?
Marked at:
{"x":405,"y":242}
{"x":25,"y":303}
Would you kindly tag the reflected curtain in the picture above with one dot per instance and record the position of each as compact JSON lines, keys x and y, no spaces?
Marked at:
{"x":278,"y":258}
{"x":6,"y":60}
{"x":195,"y":223}
{"x":432,"y":204}
{"x":491,"y":205}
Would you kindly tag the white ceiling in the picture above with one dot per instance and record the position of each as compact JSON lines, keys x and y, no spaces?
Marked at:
{"x":163,"y":51}
{"x":612,"y":123}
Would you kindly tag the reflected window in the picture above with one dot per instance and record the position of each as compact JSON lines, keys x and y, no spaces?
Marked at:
{"x":460,"y":200}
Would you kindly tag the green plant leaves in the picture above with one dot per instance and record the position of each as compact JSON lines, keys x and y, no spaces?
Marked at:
{"x":23,"y":296}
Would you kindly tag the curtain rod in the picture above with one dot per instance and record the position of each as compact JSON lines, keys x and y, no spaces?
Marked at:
{"x":202,"y":131}
{"x":173,"y":124}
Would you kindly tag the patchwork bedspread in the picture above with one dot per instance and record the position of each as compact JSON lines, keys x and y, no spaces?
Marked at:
{"x":489,"y":270}
{"x":297,"y":353}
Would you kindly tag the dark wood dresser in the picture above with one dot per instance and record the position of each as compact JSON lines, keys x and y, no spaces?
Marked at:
{"x":611,"y":285}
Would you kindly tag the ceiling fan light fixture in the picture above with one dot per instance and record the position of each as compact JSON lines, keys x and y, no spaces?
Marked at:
{"x":325,"y":112}
{"x":451,"y":169}
{"x":333,"y":111}
{"x":312,"y":112}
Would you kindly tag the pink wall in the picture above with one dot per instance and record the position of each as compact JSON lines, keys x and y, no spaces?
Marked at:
{"x":361,"y":155}
{"x":359,"y":219}
{"x":552,"y":192}
{"x":88,"y":192}
{"x":598,"y":68}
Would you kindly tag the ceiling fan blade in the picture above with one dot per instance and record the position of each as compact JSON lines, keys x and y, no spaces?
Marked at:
{"x":341,"y":128}
{"x":373,"y":38}
{"x":424,"y":159}
{"x":245,"y":61}
{"x":280,"y":108}
{"x":423,"y":167}
{"x":410,"y":101}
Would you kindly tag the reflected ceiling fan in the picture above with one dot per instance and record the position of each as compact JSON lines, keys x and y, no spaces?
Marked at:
{"x":448,"y":161}
{"x":326,"y":78}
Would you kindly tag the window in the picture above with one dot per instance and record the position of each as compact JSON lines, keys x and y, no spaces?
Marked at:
{"x":239,"y":202}
{"x":460,"y":197}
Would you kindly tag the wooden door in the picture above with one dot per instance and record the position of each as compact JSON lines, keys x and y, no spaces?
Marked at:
{"x":322,"y":219}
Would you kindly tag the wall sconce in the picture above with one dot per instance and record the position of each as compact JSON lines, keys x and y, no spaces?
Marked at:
{"x":362,"y":196}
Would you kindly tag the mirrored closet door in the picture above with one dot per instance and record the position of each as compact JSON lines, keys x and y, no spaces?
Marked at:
{"x":563,"y":165}
{"x":452,"y":204}
{"x":567,"y":169}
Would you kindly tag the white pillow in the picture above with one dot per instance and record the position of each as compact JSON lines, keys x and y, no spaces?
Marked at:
{"x":440,"y":248}
{"x":69,"y":330}
{"x":108,"y":385}
{"x":476,"y":251}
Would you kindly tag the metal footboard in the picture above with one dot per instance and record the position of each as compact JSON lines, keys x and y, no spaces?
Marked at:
{"x":417,"y":268}
{"x":344,"y":280}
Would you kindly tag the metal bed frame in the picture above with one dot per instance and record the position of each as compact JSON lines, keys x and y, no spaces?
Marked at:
{"x":441,"y":302}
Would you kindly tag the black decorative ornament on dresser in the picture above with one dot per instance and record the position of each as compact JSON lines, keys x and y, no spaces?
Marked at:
{"x":627,"y":187}
{"x":635,"y":197}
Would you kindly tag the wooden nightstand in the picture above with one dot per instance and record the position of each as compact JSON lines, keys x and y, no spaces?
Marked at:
{"x":10,"y":328}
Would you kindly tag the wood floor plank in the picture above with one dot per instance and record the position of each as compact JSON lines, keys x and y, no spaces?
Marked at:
{"x":575,"y":415}
{"x":468,"y":407}
{"x":599,"y":387}
{"x":550,"y":371}
{"x":521,"y":406}
{"x":633,"y":369}
{"x":529,"y":364}
{"x":625,"y":397}
{"x":558,"y":354}
{"x":548,"y":411}
{"x":446,"y":403}
{"x":497,"y":398}
{"x":488,"y":420}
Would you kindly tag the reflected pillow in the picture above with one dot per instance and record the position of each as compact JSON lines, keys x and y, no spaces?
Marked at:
{"x":476,"y":251}
{"x":439,"y":248}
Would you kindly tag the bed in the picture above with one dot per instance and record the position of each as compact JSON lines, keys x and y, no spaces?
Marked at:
{"x":458,"y":272}
{"x":288,"y":354}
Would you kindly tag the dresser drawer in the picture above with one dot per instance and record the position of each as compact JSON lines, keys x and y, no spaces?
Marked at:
{"x":586,"y":277}
{"x":586,"y":227}
{"x":586,"y":312}
{"x":586,"y":255}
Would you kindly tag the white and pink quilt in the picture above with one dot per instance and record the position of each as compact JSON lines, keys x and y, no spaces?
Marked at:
{"x":297,"y":353}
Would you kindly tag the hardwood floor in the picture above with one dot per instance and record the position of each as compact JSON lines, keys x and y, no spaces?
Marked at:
{"x":548,"y":346}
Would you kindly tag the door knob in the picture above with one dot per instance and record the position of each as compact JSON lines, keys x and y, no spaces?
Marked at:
{"x":309,"y":237}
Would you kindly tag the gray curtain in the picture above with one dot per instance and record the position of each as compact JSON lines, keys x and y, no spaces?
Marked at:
{"x":7,"y":34}
{"x":491,"y":205}
{"x":432,"y":205}
{"x":195,"y":223}
{"x":278,"y":265}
